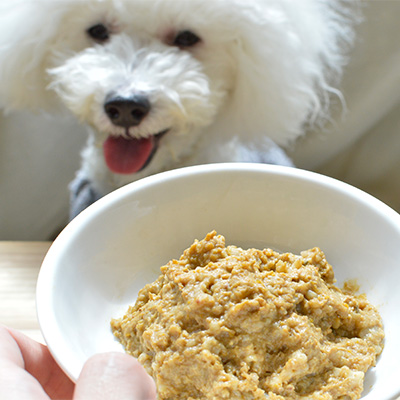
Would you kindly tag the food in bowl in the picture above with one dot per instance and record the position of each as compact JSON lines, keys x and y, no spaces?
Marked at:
{"x":226,"y":323}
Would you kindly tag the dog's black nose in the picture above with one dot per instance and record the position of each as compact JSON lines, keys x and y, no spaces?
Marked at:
{"x":126,"y":112}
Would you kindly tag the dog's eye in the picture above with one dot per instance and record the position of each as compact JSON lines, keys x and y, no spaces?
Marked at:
{"x":99,"y":33}
{"x":186,"y":39}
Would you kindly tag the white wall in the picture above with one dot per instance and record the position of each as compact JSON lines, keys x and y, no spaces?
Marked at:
{"x":38,"y":158}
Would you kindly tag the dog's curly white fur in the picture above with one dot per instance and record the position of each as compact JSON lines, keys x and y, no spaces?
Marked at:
{"x":221,"y":80}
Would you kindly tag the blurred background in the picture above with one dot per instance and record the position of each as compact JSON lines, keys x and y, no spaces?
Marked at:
{"x":39,"y":155}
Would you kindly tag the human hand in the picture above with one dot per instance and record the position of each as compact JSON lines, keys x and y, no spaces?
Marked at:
{"x":29,"y":372}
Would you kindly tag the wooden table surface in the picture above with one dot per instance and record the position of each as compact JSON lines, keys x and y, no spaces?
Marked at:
{"x":19,"y":268}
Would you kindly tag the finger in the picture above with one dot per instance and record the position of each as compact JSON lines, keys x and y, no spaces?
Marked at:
{"x":15,"y":382}
{"x":114,"y":376}
{"x":34,"y":363}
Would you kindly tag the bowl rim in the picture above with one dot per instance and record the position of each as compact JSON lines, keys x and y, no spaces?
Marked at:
{"x":49,"y":267}
{"x":306,"y":175}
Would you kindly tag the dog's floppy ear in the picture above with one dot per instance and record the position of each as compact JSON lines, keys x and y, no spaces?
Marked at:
{"x":285,"y":61}
{"x":26,"y":30}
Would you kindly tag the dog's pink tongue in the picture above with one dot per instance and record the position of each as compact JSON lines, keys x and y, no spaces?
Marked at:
{"x":126,"y":156}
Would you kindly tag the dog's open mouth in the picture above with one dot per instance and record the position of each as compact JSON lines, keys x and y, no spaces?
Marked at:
{"x":127,"y":155}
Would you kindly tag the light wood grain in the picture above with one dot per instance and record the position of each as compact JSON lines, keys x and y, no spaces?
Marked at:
{"x":19,"y":268}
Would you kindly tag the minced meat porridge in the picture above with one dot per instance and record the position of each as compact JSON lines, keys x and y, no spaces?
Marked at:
{"x":226,"y":323}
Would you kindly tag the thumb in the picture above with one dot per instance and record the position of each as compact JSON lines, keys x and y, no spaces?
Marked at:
{"x":110,"y":376}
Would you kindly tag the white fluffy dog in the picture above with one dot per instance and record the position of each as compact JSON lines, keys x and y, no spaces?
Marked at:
{"x":169,"y":83}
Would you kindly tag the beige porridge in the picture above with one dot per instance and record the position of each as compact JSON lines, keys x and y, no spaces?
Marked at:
{"x":226,"y":323}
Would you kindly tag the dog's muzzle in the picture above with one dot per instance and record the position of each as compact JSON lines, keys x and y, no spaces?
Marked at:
{"x":127,"y":154}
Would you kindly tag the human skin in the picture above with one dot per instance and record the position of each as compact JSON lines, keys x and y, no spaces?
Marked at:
{"x":29,"y":372}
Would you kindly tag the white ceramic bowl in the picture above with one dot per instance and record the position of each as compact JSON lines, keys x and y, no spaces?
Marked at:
{"x":99,"y":262}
